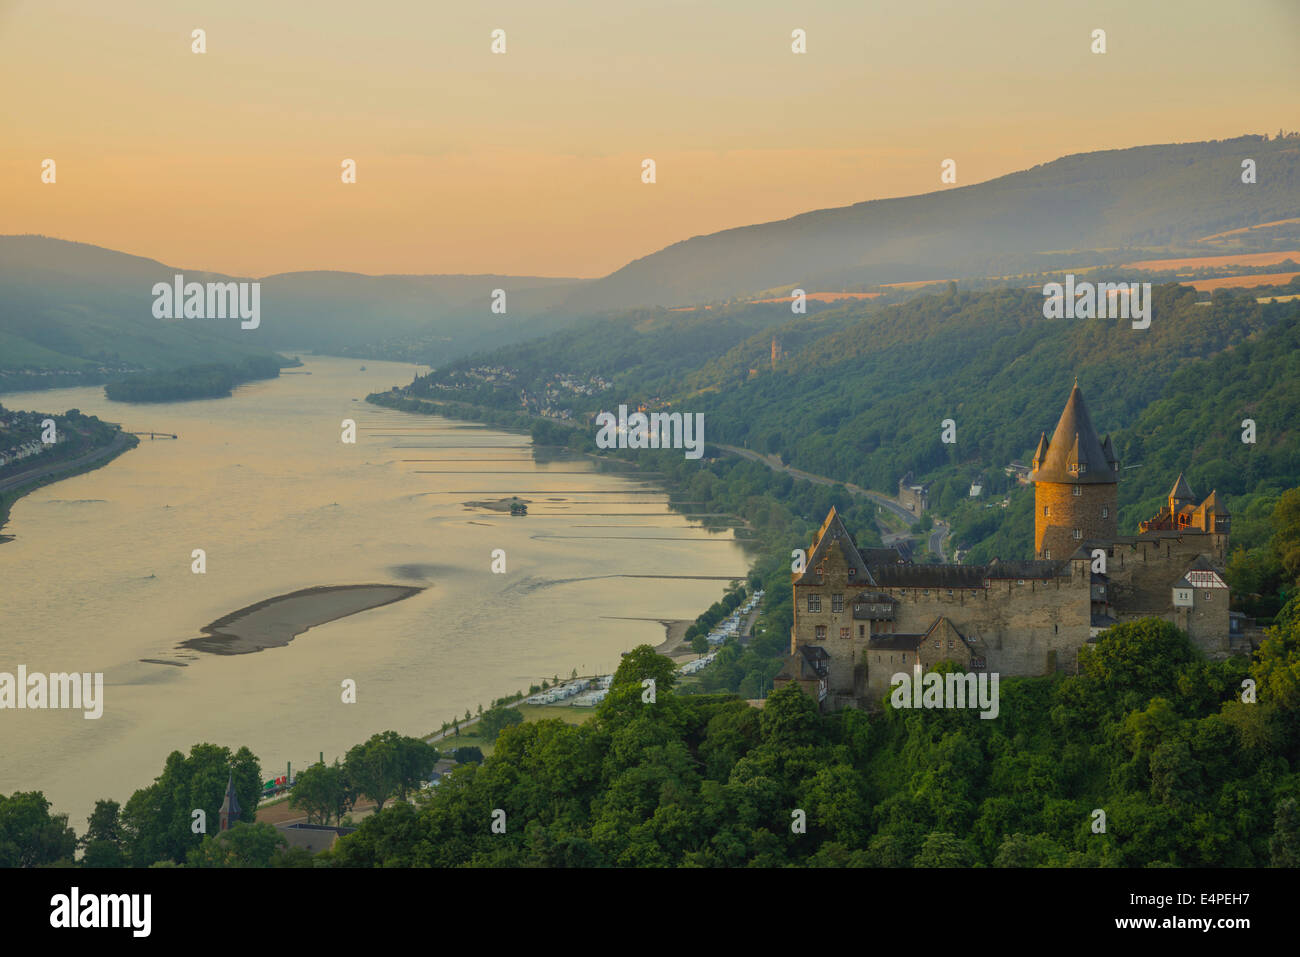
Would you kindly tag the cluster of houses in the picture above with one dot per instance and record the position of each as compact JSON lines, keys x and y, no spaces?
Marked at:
{"x":730,"y":627}
{"x":595,"y":688}
{"x":22,"y":422}
{"x":691,"y":667}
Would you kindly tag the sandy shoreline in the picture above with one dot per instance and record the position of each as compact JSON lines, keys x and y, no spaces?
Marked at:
{"x":674,"y":644}
{"x":275,"y":622}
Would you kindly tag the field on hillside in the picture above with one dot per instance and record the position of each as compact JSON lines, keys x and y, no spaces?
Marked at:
{"x":1211,"y":262}
{"x":825,"y":296}
{"x":1246,"y":229}
{"x":1238,"y":282}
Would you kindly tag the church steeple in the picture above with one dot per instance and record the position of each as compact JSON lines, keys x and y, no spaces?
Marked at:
{"x":230,"y":809}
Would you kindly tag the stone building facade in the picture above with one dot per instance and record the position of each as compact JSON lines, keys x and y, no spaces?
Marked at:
{"x":864,"y":615}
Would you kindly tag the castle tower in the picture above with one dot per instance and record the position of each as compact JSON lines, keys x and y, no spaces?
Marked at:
{"x":1076,"y":488}
{"x":1180,"y":495}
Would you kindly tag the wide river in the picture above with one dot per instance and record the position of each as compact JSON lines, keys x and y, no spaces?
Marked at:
{"x":99,"y":577}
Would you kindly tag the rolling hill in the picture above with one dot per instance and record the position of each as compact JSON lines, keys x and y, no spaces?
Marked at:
{"x":1081,"y":210}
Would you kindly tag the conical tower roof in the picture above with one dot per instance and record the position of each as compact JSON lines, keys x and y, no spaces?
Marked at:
{"x":1040,"y":453}
{"x":1075,"y":455}
{"x":1181,"y":492}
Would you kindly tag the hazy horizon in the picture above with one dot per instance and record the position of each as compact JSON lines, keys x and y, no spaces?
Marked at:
{"x":529,"y":163}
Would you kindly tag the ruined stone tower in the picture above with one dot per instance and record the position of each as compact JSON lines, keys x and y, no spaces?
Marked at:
{"x":1075,"y":478}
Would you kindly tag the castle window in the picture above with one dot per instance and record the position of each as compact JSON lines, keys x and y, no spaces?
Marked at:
{"x":1207,"y":596}
{"x":1047,"y":510}
{"x":1047,"y":553}
{"x":853,"y":572}
{"x":821,"y":632}
{"x":814,"y":603}
{"x":1078,"y":533}
{"x":1105,"y":512}
{"x":862,"y":631}
{"x":837,"y":603}
{"x":1077,"y":490}
{"x":937,"y":644}
{"x":950,"y":644}
{"x":949,"y":592}
{"x":905,"y":657}
{"x":844,"y":632}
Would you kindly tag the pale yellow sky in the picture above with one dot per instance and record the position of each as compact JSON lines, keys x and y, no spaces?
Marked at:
{"x":530,"y":162}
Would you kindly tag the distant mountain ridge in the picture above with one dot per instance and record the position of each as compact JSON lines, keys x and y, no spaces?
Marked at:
{"x":80,"y":308}
{"x":1050,"y":216}
{"x":73,"y":306}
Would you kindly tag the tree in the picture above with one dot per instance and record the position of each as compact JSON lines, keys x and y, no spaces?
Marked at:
{"x":389,"y":764}
{"x":324,"y":792}
{"x":468,"y":755}
{"x":790,"y":718}
{"x":943,"y":849}
{"x":29,"y":835}
{"x":244,"y":845}
{"x":496,"y":719}
{"x":1284,"y":845}
{"x":644,"y":662}
{"x":699,"y":644}
{"x":1036,"y":850}
{"x":1286,"y":536}
{"x":158,"y":820}
{"x":1277,"y":667}
{"x":104,"y":843}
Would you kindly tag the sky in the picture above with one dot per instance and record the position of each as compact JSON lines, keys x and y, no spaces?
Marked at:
{"x":530,"y":162}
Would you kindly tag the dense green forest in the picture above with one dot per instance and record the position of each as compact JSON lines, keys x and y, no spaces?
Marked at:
{"x":208,"y":381}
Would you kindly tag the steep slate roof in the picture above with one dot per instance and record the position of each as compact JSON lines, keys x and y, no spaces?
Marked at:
{"x":1181,"y":492}
{"x":929,"y":576}
{"x":880,"y":556}
{"x":1111,"y":457}
{"x":808,"y":658}
{"x":1074,"y":442}
{"x":830,"y":535}
{"x":1026,"y":569}
{"x":894,"y":642}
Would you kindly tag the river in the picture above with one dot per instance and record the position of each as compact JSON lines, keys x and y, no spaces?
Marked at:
{"x":99,"y":576}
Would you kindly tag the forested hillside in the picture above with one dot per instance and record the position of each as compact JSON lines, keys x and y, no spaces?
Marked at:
{"x":1149,"y":734}
{"x":861,"y":391}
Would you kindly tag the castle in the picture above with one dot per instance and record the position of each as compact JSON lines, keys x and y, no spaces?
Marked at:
{"x":862,"y":615}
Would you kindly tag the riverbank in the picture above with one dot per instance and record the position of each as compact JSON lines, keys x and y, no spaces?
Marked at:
{"x":15,"y":487}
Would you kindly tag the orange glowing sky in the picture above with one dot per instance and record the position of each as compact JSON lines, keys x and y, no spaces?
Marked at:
{"x":529,"y":162}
